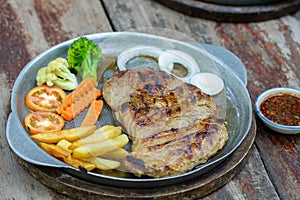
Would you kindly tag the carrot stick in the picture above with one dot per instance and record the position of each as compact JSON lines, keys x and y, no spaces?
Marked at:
{"x":93,"y":113}
{"x":85,"y":86}
{"x":79,"y":99}
{"x":67,"y":114}
{"x":79,"y":105}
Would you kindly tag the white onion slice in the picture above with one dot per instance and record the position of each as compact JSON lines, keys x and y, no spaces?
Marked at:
{"x":131,"y":53}
{"x":209,"y":83}
{"x":168,"y":58}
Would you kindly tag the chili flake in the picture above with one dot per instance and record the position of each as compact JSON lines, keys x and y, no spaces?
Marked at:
{"x":282,"y":108}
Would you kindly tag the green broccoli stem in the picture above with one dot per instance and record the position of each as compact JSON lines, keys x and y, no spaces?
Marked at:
{"x":89,"y":64}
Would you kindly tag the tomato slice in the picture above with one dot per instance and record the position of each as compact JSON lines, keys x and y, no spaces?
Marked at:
{"x":41,"y":121}
{"x":45,"y":98}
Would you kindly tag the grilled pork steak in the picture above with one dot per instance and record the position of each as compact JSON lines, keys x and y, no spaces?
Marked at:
{"x":173,"y":125}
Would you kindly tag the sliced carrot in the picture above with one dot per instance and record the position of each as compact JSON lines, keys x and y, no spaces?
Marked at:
{"x":97,"y":93}
{"x":86,"y":83}
{"x":79,"y":105}
{"x":85,"y":86}
{"x":67,"y":114}
{"x":93,"y":113}
{"x":79,"y":99}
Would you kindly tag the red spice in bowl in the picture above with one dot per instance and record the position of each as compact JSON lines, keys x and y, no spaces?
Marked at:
{"x":279,"y":109}
{"x":282,"y":108}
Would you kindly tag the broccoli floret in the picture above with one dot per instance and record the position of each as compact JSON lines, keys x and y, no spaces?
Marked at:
{"x":57,"y":73}
{"x":84,"y":57}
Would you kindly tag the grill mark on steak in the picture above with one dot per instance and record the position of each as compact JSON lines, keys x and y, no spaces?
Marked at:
{"x":177,"y":132}
{"x":186,"y":148}
{"x":191,"y":134}
{"x":152,"y":103}
{"x":173,"y":125}
{"x":161,"y":102}
{"x":158,"y":135}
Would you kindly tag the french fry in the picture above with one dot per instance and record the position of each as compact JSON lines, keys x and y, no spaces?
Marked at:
{"x":80,"y":132}
{"x":99,"y":135}
{"x":117,"y":154}
{"x":96,"y":149}
{"x":54,"y":150}
{"x":65,"y":155}
{"x":79,"y":147}
{"x":70,"y":134}
{"x":103,"y":164}
{"x":79,"y":163}
{"x":73,"y":162}
{"x":65,"y":144}
{"x":104,"y":128}
{"x":49,"y":137}
{"x":88,"y":166}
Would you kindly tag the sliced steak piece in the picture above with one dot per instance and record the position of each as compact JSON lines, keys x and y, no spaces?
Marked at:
{"x":173,"y":125}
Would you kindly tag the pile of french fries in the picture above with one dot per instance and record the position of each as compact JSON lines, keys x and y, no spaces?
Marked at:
{"x":86,"y":147}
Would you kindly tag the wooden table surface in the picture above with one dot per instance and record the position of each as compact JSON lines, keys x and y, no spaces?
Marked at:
{"x":270,"y":50}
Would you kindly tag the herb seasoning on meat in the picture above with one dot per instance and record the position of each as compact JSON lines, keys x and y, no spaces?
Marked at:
{"x":282,"y":108}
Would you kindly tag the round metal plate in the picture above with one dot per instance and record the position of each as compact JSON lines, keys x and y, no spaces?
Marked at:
{"x":236,"y":104}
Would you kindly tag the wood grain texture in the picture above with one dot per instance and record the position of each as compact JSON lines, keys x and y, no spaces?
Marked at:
{"x":233,"y":13}
{"x":270,"y":51}
{"x":251,"y":183}
{"x":15,"y":182}
{"x":29,"y":27}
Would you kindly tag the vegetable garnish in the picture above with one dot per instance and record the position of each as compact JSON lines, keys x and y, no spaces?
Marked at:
{"x":45,"y":98}
{"x":93,"y":113}
{"x":79,"y":99}
{"x":84,"y":57}
{"x":41,"y":121}
{"x":57,"y":73}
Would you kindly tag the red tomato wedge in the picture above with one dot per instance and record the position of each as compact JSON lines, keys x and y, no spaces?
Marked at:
{"x":45,"y":98}
{"x":41,"y":121}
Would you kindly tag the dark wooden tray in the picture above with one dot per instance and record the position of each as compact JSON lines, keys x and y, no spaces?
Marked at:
{"x":76,"y":188}
{"x":233,"y":13}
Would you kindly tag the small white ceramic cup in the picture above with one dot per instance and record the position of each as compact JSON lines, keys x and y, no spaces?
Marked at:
{"x":272,"y":125}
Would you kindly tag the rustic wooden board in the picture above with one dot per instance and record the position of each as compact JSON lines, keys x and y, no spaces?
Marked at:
{"x":29,"y":27}
{"x":196,"y":188}
{"x":233,"y":13}
{"x":265,"y":47}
